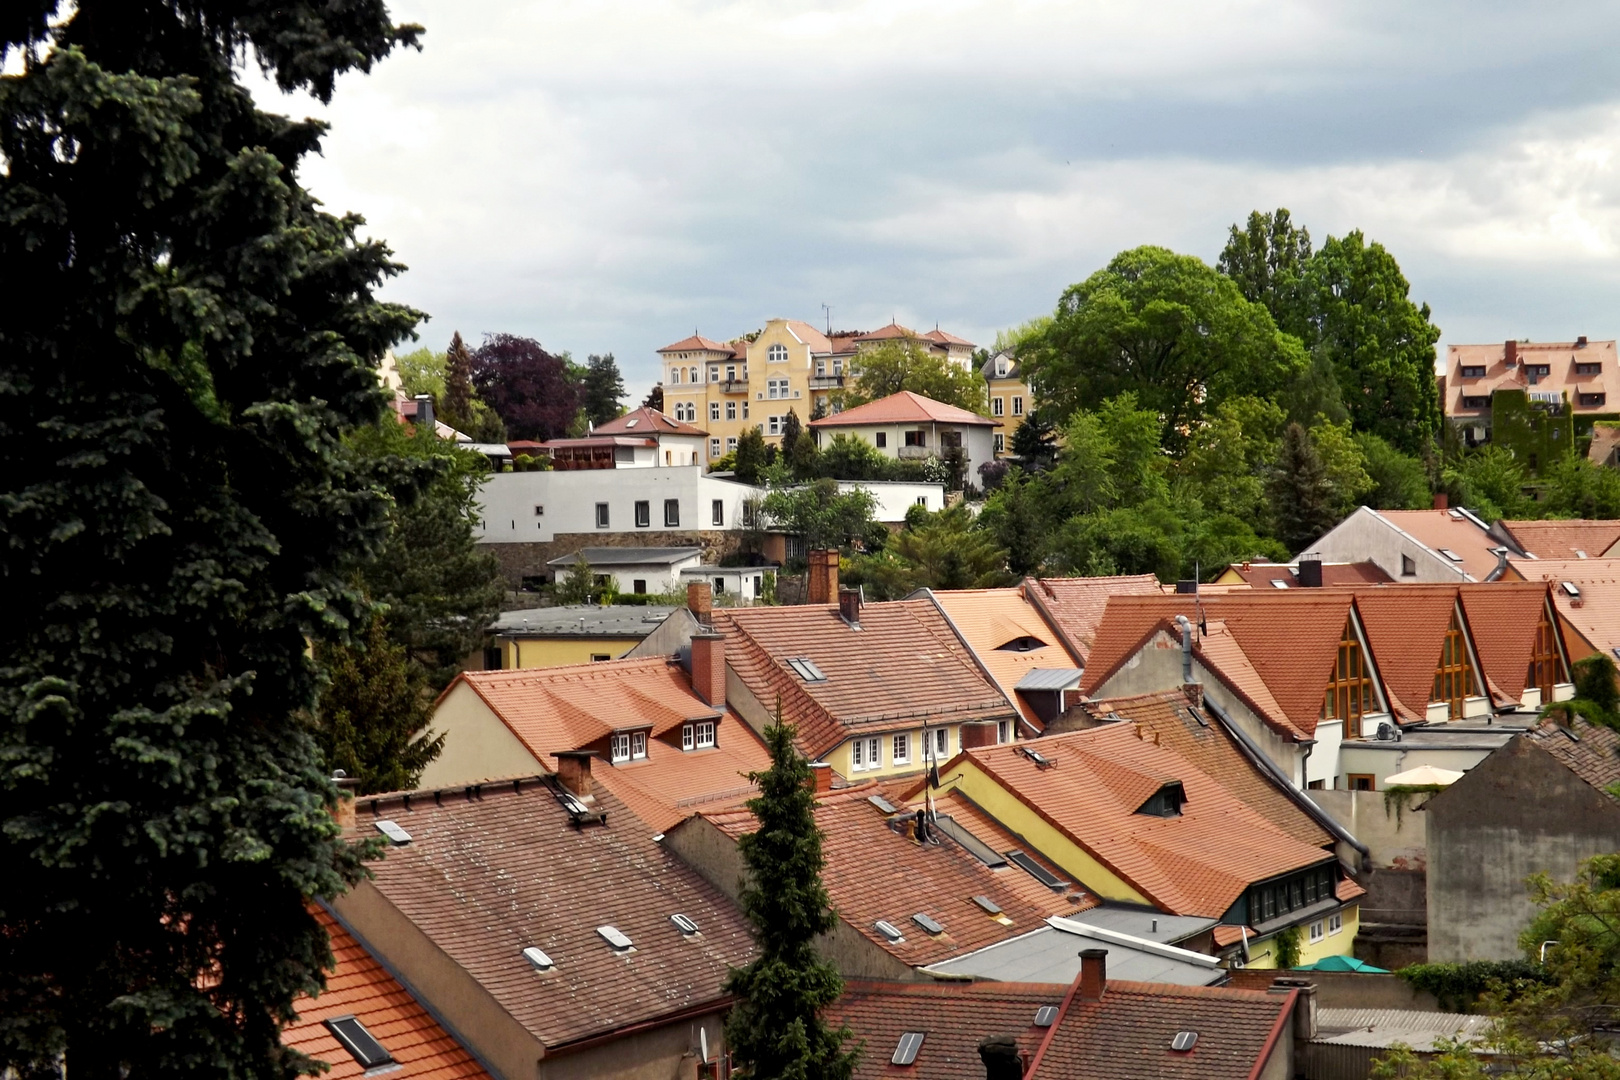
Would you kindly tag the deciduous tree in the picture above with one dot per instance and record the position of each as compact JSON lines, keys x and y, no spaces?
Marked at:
{"x":1268,"y":259}
{"x":908,"y":365}
{"x":530,"y":389}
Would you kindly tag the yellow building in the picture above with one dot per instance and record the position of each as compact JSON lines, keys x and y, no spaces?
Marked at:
{"x":575,"y":634}
{"x":789,"y":366}
{"x":1010,"y":397}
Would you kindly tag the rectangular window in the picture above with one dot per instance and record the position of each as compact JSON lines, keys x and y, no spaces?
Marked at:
{"x":902,"y":749}
{"x":675,"y":376}
{"x":1541,"y":370}
{"x":1335,"y":922}
{"x":1473,"y":371}
{"x":731,"y":373}
{"x":773,"y":425}
{"x":714,"y":410}
{"x":996,"y":406}
{"x":821,"y":368}
{"x":539,"y":510}
{"x":1001,"y":442}
{"x":731,"y":443}
{"x":640,"y":586}
{"x":1349,"y":694}
{"x":719,"y":586}
{"x":942,"y":743}
{"x":714,"y":374}
{"x":638,"y":744}
{"x":717,"y":512}
{"x":1018,"y":406}
{"x":1544,"y":667}
{"x":916,"y":438}
{"x":598,"y":657}
{"x":866,"y":754}
{"x":705,"y":734}
{"x":1316,"y":931}
{"x":1590,"y":401}
{"x":643,"y":514}
{"x":714,"y":448}
{"x":881,"y":439}
{"x":731,"y":410}
{"x":745,"y":408}
{"x":601,"y":515}
{"x":1588,"y":369}
{"x":1408,"y":566}
{"x":1360,"y":781}
{"x":620,"y":746}
{"x":1004,"y":731}
{"x":672,"y":512}
{"x":688,"y":737}
{"x":1476,"y":401}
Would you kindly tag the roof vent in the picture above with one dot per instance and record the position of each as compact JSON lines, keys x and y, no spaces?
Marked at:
{"x":1046,"y":1016}
{"x":538,"y":958}
{"x":395,"y":834}
{"x":1184,"y":1041}
{"x":883,"y":804}
{"x":928,"y":923}
{"x":1570,"y":588}
{"x":889,"y":930}
{"x":992,"y":908}
{"x":684,"y":924}
{"x":906,"y":1052}
{"x":615,"y":938}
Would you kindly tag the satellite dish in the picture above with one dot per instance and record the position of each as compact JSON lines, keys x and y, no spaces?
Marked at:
{"x":703,"y":1043}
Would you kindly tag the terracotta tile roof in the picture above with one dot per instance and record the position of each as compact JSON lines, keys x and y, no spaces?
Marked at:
{"x":696,"y":343}
{"x":671,"y":784}
{"x":992,"y":618}
{"x":1597,"y":618}
{"x":904,"y":408}
{"x":486,"y":877}
{"x":1406,"y":630}
{"x":1577,"y":539}
{"x":1347,"y":890}
{"x":1198,"y":863}
{"x":1289,"y":638}
{"x":646,"y":421}
{"x":1503,"y":616}
{"x":1559,"y":356}
{"x":358,"y":986}
{"x":1215,"y":753}
{"x":955,"y":1016}
{"x":809,"y":335}
{"x":1451,"y":531}
{"x":942,"y":337}
{"x":1075,"y":605}
{"x":875,"y":871}
{"x":1260,"y":575}
{"x":903,"y":665}
{"x":894,"y":331}
{"x":1220,"y":652}
{"x":1227,"y":934}
{"x":1127,"y":1033}
{"x":1593,"y":755}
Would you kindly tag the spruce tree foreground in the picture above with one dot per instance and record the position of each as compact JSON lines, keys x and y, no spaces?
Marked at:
{"x":187,"y":340}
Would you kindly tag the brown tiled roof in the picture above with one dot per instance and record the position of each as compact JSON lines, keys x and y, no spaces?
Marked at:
{"x":902,"y":666}
{"x":944,"y":338}
{"x":1595,"y":614}
{"x":1577,"y":539}
{"x":1215,"y":753}
{"x":1197,"y":863}
{"x":1126,"y":1034}
{"x":1406,"y":629}
{"x":358,"y":986}
{"x":696,"y":343}
{"x":809,"y":335}
{"x":1560,"y":356}
{"x":646,"y":421}
{"x":1451,"y":531}
{"x":1220,"y":652}
{"x":875,"y":871}
{"x":1228,"y":934}
{"x":954,"y":1016}
{"x":1503,"y":616}
{"x":486,"y":877}
{"x":1075,"y":605}
{"x":1593,"y":755}
{"x":904,"y":407}
{"x":992,"y":618}
{"x":894,"y":331}
{"x":1260,"y":575}
{"x":1289,"y":637}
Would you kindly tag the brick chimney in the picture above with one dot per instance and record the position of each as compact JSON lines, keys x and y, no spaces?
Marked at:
{"x":1441,"y":502}
{"x":976,"y":735}
{"x":849,"y":605}
{"x":1511,"y":352}
{"x":348,"y":787}
{"x":820,"y":777}
{"x":709,"y":668}
{"x":823,"y":586}
{"x":700,"y":601}
{"x":1093,"y":974}
{"x":574,"y":771}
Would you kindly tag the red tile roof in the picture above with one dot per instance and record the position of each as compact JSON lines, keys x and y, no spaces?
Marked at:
{"x":943,"y":338}
{"x":954,"y":1016}
{"x":1075,"y":605}
{"x":1559,"y":356}
{"x":1578,"y":539}
{"x":1503,"y":616}
{"x":1449,"y":530}
{"x":1406,"y":630}
{"x":874,"y":871}
{"x":809,"y":335}
{"x":894,"y":331}
{"x":1126,"y":1034}
{"x":1260,"y":575}
{"x":486,"y":876}
{"x":904,"y":408}
{"x":903,"y":665}
{"x":646,"y":421}
{"x":992,"y":618}
{"x":696,"y":343}
{"x":1203,"y":741}
{"x":1595,"y":614}
{"x":358,"y":986}
{"x":1593,"y":755}
{"x":1197,"y":863}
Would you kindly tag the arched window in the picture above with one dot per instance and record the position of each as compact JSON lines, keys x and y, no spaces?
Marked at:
{"x":776,"y":354}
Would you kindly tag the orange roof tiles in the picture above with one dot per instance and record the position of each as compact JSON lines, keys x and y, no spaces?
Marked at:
{"x":646,"y":421}
{"x":1075,"y":605}
{"x":1576,"y":539}
{"x":1197,"y":863}
{"x":904,"y":665}
{"x":990,"y":619}
{"x":874,"y":871}
{"x":1260,"y":575}
{"x":1595,"y":614}
{"x":955,"y":1016}
{"x":358,"y":986}
{"x":1503,"y":617}
{"x":809,"y":335}
{"x":696,"y":343}
{"x":1559,"y":357}
{"x":904,"y":408}
{"x":484,"y":878}
{"x":892,"y":332}
{"x":942,"y":337}
{"x":1446,"y":530}
{"x":1406,"y":630}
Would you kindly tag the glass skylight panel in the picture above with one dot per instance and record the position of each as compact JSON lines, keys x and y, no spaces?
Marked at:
{"x":1036,"y":870}
{"x":614,"y":937}
{"x":359,"y":1042}
{"x":1452,"y":555}
{"x":1184,"y":1040}
{"x":1570,"y":588}
{"x":538,"y":958}
{"x":394,"y":833}
{"x":882,"y":804}
{"x":1278,"y":583}
{"x":684,"y":924}
{"x":889,"y":931}
{"x":1046,"y":1016}
{"x":806,"y":669}
{"x":989,"y":905}
{"x":928,"y":923}
{"x":906,"y":1052}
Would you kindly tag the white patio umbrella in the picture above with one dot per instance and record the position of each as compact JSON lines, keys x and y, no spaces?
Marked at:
{"x":1423,"y":776}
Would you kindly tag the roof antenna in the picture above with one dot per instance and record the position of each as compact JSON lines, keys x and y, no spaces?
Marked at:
{"x":828,"y":310}
{"x":1198,"y":599}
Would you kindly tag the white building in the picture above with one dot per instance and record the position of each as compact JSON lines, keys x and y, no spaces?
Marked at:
{"x":633,"y":569}
{"x":894,"y":497}
{"x":533,"y":507}
{"x":730,"y":584}
{"x":640,"y":439}
{"x":908,"y":426}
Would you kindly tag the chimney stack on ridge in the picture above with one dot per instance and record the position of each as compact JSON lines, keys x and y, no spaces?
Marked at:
{"x":1093,"y":974}
{"x":709,"y":668}
{"x":700,"y":601}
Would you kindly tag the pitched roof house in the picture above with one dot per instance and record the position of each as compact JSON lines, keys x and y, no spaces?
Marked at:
{"x":1580,"y":375}
{"x":1578,"y":538}
{"x":542,"y":922}
{"x":1416,"y":545}
{"x":1586,"y":594}
{"x":908,"y":425}
{"x":1262,"y":574}
{"x":1074,"y":606}
{"x":1017,"y":644}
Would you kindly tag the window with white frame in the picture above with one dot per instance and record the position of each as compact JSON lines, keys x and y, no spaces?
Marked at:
{"x":996,"y":406}
{"x":1001,"y":442}
{"x":942,"y":743}
{"x":638,"y":745}
{"x":1004,"y":731}
{"x":620,"y":746}
{"x":691,"y":375}
{"x":731,"y":410}
{"x":1316,"y":931}
{"x":731,"y":443}
{"x":1018,"y":406}
{"x":1001,"y":368}
{"x":705,"y":734}
{"x":838,"y":367}
{"x":745,"y":408}
{"x":731,"y":373}
{"x":714,"y":448}
{"x":777,"y":388}
{"x":776,"y":354}
{"x":675,"y":375}
{"x":866,"y":754}
{"x":1335,"y":922}
{"x":643,"y":513}
{"x":672,"y":513}
{"x":601,"y":515}
{"x":773,"y":425}
{"x":714,"y":410}
{"x":714,"y":373}
{"x":902,"y":749}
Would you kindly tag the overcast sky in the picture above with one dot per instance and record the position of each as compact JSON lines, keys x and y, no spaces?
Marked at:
{"x":609,"y":176}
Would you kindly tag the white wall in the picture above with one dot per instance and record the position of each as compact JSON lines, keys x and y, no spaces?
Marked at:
{"x":895,"y":497}
{"x":978,"y":440}
{"x":569,"y":498}
{"x":729,"y":582}
{"x":660,"y":577}
{"x":1366,"y":536}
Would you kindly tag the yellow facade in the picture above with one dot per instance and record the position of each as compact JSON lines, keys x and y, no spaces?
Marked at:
{"x":842,"y":757}
{"x":555,"y":652}
{"x":1010,"y":402}
{"x":1263,"y":951}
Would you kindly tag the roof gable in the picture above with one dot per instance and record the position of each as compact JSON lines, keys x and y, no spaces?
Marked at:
{"x":696,"y":343}
{"x":1593,"y":754}
{"x":1595,"y":613}
{"x":991,"y":619}
{"x":1076,"y":605}
{"x":1406,"y":630}
{"x":1504,"y":616}
{"x":1456,"y":531}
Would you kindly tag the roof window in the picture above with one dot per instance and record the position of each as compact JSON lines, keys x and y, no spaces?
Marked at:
{"x":806,"y":669}
{"x":1184,"y":1041}
{"x":1570,"y":588}
{"x":992,"y":908}
{"x":395,"y":834}
{"x":928,"y":923}
{"x":906,"y":1052}
{"x":1046,"y":1016}
{"x":1026,"y":643}
{"x":359,"y":1042}
{"x":883,"y":804}
{"x":889,"y":931}
{"x":616,"y":938}
{"x":1036,"y":871}
{"x":1166,"y":802}
{"x":1279,"y":583}
{"x":1456,"y":515}
{"x":1452,"y":555}
{"x":538,"y":958}
{"x":1041,"y":760}
{"x":632,"y":422}
{"x":684,"y":924}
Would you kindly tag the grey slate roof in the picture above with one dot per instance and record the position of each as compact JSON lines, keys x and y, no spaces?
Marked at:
{"x":1381,"y":1028}
{"x":628,"y":556}
{"x":1052,"y":955}
{"x":584,"y":620}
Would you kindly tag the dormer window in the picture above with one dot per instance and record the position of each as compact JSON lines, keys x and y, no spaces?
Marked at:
{"x":1166,"y":802}
{"x":1544,"y":665}
{"x":1001,"y":368}
{"x":1473,"y":371}
{"x":628,"y":746}
{"x":698,"y":736}
{"x":1349,"y":692}
{"x":1022,"y":644}
{"x":1588,"y":369}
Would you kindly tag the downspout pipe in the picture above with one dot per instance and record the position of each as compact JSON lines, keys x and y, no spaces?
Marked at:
{"x":1186,"y":649}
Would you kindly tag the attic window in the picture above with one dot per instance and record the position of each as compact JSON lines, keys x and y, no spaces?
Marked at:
{"x":684,"y":924}
{"x":1570,"y":588}
{"x":1473,"y":371}
{"x":928,"y":923}
{"x":889,"y":931}
{"x":1046,"y":1016}
{"x":1166,"y":802}
{"x":1452,"y":555}
{"x":1041,"y":760}
{"x":806,"y":669}
{"x":395,"y":834}
{"x":1184,"y":1041}
{"x":1025,"y":643}
{"x":906,"y":1052}
{"x":359,"y":1042}
{"x":539,"y":959}
{"x":614,"y":937}
{"x":1036,"y":871}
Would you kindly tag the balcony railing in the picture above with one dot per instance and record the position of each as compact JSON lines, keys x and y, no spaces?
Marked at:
{"x":911,"y":453}
{"x":734,"y":386}
{"x":826,"y":382}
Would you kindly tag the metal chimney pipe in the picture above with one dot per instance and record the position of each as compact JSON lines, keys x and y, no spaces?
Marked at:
{"x":1186,"y":649}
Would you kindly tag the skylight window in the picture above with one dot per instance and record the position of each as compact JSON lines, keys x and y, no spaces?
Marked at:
{"x":992,"y":908}
{"x":538,"y":958}
{"x":889,"y":931}
{"x":1184,"y":1041}
{"x":1041,"y":760}
{"x":632,"y":422}
{"x":1570,"y":588}
{"x":359,"y":1042}
{"x":928,"y":923}
{"x":882,"y":804}
{"x":1457,"y":514}
{"x":1046,"y":1016}
{"x":1036,"y":871}
{"x":615,"y":938}
{"x":1278,"y":583}
{"x":806,"y":669}
{"x":1452,"y":555}
{"x":684,"y":924}
{"x":395,"y":834}
{"x":906,"y":1052}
